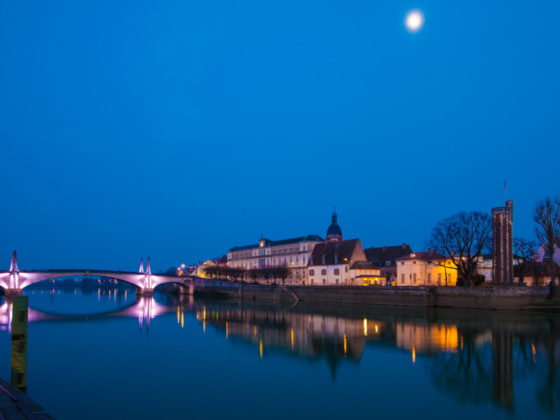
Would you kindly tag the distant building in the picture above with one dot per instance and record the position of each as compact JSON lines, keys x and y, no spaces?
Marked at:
{"x":200,"y":269}
{"x":535,"y":273}
{"x":502,"y":243}
{"x":485,"y":267}
{"x":426,"y":269}
{"x":293,"y":253}
{"x":385,"y":258}
{"x":542,"y":254}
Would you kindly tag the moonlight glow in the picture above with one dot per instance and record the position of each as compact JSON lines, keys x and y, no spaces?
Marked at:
{"x":414,"y":20}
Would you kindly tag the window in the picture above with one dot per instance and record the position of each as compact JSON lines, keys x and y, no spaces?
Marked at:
{"x":346,"y":268}
{"x":336,"y":281}
{"x":429,"y":277}
{"x":323,"y":272}
{"x":402,"y":263}
{"x":336,"y":272}
{"x":311,"y":272}
{"x":402,"y":278}
{"x":413,"y":262}
{"x":414,"y":278}
{"x":324,"y":281}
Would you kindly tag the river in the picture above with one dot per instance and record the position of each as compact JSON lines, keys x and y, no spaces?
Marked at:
{"x":105,"y":354}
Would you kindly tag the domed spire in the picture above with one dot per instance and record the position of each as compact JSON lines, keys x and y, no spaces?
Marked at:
{"x":334,"y":233}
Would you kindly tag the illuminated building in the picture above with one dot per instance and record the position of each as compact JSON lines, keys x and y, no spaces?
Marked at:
{"x":293,"y":253}
{"x":426,"y":269}
{"x":200,"y":270}
{"x":502,"y":243}
{"x":338,"y":262}
{"x":342,"y":263}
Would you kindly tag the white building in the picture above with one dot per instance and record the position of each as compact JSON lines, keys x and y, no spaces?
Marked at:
{"x":293,"y":253}
{"x":342,"y":263}
{"x":338,"y":262}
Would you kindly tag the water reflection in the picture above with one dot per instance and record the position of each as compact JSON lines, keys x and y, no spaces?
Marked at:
{"x":472,"y":359}
{"x":469,"y":358}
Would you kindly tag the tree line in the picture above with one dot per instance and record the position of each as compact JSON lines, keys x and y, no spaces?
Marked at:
{"x":270,"y":275}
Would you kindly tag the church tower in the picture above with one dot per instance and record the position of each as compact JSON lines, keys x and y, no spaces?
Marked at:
{"x":334,"y":233}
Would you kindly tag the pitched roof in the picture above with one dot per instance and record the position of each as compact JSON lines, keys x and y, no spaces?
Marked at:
{"x":363,"y":265}
{"x":315,"y":238}
{"x":330,"y":253}
{"x":426,"y":256}
{"x":387,"y":253}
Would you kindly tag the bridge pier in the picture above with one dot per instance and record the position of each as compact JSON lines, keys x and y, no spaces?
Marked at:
{"x":144,"y":292}
{"x":187,"y":289}
{"x":13,"y":293}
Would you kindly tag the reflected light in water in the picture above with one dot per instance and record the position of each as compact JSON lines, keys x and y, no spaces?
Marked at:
{"x":365,"y":327}
{"x":260,"y":349}
{"x":413,"y":355}
{"x":534,"y":352}
{"x":345,"y":345}
{"x":292,"y":338}
{"x":227,"y":330}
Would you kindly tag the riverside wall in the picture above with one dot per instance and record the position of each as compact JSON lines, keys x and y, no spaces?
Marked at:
{"x":488,"y":297}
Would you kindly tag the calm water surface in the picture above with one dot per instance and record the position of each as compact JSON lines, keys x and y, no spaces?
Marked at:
{"x":96,"y":355}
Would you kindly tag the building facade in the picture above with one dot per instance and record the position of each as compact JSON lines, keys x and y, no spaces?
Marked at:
{"x":342,"y":263}
{"x":293,"y":253}
{"x":385,"y":258}
{"x":502,"y":243}
{"x":426,"y":269}
{"x":338,"y":262}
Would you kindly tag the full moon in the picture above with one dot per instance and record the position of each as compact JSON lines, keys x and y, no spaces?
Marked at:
{"x":414,"y":20}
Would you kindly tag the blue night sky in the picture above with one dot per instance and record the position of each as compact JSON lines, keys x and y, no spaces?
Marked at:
{"x":178,"y":129}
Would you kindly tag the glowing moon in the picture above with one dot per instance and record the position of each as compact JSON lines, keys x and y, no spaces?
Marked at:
{"x":414,"y":20}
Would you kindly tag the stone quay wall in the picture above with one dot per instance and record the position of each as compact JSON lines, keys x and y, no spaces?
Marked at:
{"x":487,"y":297}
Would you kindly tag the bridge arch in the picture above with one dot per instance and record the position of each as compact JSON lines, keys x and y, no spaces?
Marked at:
{"x":30,"y":278}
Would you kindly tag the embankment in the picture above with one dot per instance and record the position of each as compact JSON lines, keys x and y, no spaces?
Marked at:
{"x":490,"y":297}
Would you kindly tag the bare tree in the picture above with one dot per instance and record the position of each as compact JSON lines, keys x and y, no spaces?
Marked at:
{"x":524,"y":251}
{"x":547,"y":218}
{"x":388,"y":278}
{"x":253,"y":273}
{"x":463,"y":237}
{"x":266,"y":273}
{"x":283,"y":272}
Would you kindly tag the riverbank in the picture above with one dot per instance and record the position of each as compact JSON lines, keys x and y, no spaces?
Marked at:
{"x":489,"y":297}
{"x":15,"y":405}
